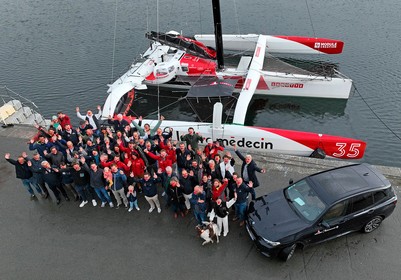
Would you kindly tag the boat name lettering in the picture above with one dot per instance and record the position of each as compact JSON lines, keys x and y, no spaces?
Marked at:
{"x":225,"y":84}
{"x":290,"y":85}
{"x":319,"y":45}
{"x":244,"y":143}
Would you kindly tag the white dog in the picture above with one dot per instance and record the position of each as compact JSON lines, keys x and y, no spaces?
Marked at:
{"x":208,"y":232}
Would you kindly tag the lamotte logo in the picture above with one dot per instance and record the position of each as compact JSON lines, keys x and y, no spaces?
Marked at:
{"x":319,"y":45}
{"x":287,"y":85}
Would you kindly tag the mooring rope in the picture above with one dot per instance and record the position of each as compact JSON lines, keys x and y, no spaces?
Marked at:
{"x":376,"y":115}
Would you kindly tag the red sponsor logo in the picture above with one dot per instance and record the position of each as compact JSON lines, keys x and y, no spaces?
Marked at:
{"x":257,"y":52}
{"x":287,"y":85}
{"x":320,"y":45}
{"x":247,"y":84}
{"x":221,"y":83}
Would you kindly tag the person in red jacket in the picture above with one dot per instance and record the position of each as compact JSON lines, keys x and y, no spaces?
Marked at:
{"x":170,"y":150}
{"x":63,"y":119}
{"x":137,"y":168}
{"x":163,"y":160}
{"x":212,"y":149}
{"x":120,"y":165}
{"x":218,"y":189}
{"x":137,"y":165}
{"x":130,"y":149}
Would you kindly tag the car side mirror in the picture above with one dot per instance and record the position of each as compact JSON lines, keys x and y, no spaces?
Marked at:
{"x":325,"y":224}
{"x":291,"y":181}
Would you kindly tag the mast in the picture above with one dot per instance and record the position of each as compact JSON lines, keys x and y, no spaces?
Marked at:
{"x":218,"y":33}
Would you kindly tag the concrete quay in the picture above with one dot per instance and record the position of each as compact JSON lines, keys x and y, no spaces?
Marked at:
{"x":42,"y":240}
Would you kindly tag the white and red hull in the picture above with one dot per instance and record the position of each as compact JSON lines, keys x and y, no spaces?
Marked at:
{"x":281,"y":84}
{"x":169,"y":67}
{"x":260,"y":139}
{"x":276,"y":44}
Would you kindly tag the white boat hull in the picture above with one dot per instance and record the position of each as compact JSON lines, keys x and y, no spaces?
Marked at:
{"x":280,"y":84}
{"x":276,"y":44}
{"x":270,"y":140}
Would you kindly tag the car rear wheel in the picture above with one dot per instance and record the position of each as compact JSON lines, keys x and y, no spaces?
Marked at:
{"x":373,"y":224}
{"x":287,"y":252}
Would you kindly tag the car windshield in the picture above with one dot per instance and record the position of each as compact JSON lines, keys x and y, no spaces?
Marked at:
{"x":305,"y":200}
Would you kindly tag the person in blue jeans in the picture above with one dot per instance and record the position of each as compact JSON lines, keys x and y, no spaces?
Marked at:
{"x":132,"y":199}
{"x":35,"y":165}
{"x":198,"y":203}
{"x":241,"y":192}
{"x":81,"y":183}
{"x":97,"y":182}
{"x":23,"y":173}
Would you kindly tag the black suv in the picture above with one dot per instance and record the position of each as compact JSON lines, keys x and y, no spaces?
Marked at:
{"x":320,"y":207}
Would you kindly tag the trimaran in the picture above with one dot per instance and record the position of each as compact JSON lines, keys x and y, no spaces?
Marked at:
{"x":173,"y":60}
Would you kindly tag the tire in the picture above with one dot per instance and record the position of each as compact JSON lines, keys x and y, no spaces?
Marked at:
{"x":373,"y":224}
{"x":287,"y":252}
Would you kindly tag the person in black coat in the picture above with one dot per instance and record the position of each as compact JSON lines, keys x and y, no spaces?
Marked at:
{"x":81,"y":183}
{"x":176,"y":197}
{"x":248,"y":171}
{"x":187,"y":182}
{"x":35,"y":165}
{"x":23,"y":172}
{"x":181,"y":152}
{"x":52,"y":178}
{"x":70,"y":134}
{"x":149,"y":187}
{"x":213,"y":171}
{"x":119,"y":123}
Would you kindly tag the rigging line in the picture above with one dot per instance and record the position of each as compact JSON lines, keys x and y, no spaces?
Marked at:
{"x":313,"y":28}
{"x":133,"y":112}
{"x":158,"y":101}
{"x":200,"y":17}
{"x":370,"y":108}
{"x":310,"y":18}
{"x":158,"y":85}
{"x":163,"y":96}
{"x":233,"y":102}
{"x":188,"y":4}
{"x":114,"y":42}
{"x":167,"y":26}
{"x":20,"y":97}
{"x":157,"y":19}
{"x":193,"y":109}
{"x":236,"y":16}
{"x":147,"y":16}
{"x":210,"y":116}
{"x":168,"y":105}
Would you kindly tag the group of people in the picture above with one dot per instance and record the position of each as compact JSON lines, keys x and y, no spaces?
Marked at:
{"x":126,"y":160}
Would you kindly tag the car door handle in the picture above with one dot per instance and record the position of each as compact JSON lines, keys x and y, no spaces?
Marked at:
{"x":371,"y":211}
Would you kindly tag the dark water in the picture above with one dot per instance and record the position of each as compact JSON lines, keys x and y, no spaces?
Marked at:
{"x":59,"y":54}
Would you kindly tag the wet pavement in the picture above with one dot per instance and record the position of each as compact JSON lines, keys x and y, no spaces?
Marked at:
{"x":42,"y":240}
